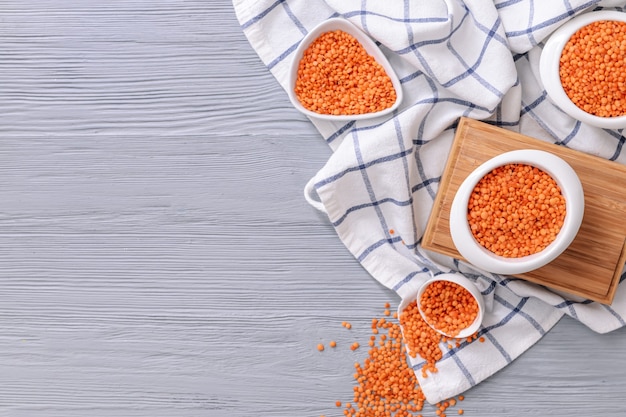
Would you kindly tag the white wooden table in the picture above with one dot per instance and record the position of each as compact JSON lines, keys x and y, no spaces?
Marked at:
{"x":157,"y":256}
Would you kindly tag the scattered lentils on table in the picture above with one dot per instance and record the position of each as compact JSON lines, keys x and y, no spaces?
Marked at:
{"x":386,"y":383}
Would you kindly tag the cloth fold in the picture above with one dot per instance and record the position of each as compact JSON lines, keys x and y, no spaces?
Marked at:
{"x":473,"y":58}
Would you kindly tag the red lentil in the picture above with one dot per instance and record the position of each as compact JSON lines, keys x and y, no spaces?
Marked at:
{"x":320,"y":347}
{"x":592,"y":68}
{"x":337,"y":76}
{"x":516,"y":210}
{"x":420,"y":338}
{"x":386,"y":384}
{"x":449,"y":307}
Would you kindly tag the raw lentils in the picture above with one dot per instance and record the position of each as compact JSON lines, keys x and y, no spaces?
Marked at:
{"x":386,"y":384}
{"x":336,"y":76}
{"x":516,"y":210}
{"x":448,"y":307}
{"x":593,"y":68}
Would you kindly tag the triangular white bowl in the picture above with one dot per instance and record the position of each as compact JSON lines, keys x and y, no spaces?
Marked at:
{"x":371,"y":48}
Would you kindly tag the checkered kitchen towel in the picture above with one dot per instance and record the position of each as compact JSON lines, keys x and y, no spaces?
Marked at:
{"x":474,"y":58}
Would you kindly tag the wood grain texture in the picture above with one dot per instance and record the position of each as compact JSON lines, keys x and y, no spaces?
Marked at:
{"x":158,"y":258}
{"x":592,"y":265}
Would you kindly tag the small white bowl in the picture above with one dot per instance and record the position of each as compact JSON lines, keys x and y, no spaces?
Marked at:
{"x":549,"y":68}
{"x":572,"y":191}
{"x":371,"y":48}
{"x":469,"y":286}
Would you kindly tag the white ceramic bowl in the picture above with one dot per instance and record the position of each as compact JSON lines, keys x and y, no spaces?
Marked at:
{"x":549,"y":68}
{"x":469,"y":286}
{"x":371,"y":48}
{"x":572,"y":191}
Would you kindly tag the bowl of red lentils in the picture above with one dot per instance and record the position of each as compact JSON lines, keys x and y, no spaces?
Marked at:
{"x":338,"y":73}
{"x":452,"y":305}
{"x":517,"y":211}
{"x":582,"y":68}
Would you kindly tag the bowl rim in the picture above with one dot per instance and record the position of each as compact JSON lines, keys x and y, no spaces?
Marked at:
{"x":339,"y":23}
{"x":549,"y":68}
{"x":463,"y":281}
{"x":571,"y":188}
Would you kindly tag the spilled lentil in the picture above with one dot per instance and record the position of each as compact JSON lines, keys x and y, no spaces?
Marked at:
{"x":386,"y":383}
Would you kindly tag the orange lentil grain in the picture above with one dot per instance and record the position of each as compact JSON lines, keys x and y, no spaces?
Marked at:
{"x":337,"y":76}
{"x":332,"y":344}
{"x":516,"y":210}
{"x":320,"y":347}
{"x":592,"y":71}
{"x":420,"y":338}
{"x":460,"y":411}
{"x":449,"y":307}
{"x":386,"y":383}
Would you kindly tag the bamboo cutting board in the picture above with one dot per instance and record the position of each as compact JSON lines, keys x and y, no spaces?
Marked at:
{"x":592,"y":265}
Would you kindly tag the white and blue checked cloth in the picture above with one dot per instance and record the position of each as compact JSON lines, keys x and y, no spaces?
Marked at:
{"x":474,"y":58}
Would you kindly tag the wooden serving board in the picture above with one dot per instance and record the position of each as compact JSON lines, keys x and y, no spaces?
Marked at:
{"x":592,"y":265}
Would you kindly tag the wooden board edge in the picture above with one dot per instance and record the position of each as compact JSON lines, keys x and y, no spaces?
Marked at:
{"x":429,"y":231}
{"x":617,"y":275}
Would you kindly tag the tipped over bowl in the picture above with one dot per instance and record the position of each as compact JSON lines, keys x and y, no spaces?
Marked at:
{"x":451,"y":305}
